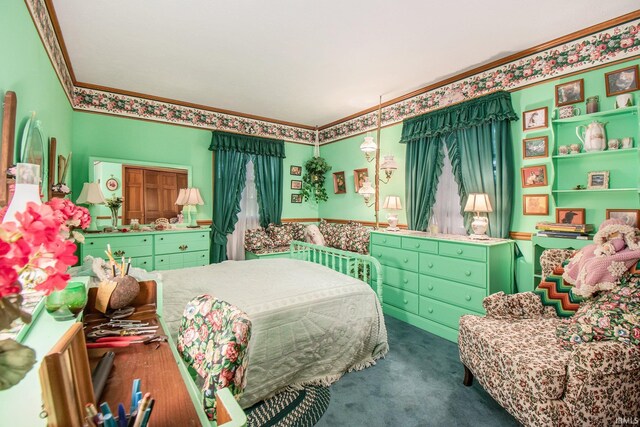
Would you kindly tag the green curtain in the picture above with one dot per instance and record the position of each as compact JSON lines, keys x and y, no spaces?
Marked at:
{"x":269,"y":173}
{"x":424,"y":166}
{"x":227,"y":141}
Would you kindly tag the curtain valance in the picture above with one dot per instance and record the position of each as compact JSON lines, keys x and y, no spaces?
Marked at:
{"x":492,"y":107}
{"x":227,"y":141}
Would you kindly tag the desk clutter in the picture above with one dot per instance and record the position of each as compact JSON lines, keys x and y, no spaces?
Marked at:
{"x":138,"y":415}
{"x":120,"y":289}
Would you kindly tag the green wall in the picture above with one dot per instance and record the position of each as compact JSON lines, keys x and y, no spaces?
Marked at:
{"x":297,"y":155}
{"x":27,"y":71}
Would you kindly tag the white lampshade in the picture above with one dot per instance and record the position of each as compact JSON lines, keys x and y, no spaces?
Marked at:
{"x":192,"y":197}
{"x":369,"y":145}
{"x":27,"y":190}
{"x":392,"y":202}
{"x":366,"y":189}
{"x":389,"y":163}
{"x":182,"y":197}
{"x":478,"y":202}
{"x":91,"y":194}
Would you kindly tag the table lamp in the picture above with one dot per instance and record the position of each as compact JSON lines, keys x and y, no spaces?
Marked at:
{"x":190,"y":197}
{"x":91,"y":195}
{"x":392,"y":203}
{"x":27,"y":190}
{"x":479,"y":202}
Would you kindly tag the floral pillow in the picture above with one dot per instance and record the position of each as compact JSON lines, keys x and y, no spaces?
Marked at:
{"x":355,"y":238}
{"x":257,"y":240}
{"x":280,"y":234}
{"x":611,"y":316}
{"x":332,"y":233}
{"x":297,"y":230}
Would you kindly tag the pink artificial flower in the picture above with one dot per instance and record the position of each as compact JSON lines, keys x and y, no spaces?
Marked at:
{"x":55,"y":282}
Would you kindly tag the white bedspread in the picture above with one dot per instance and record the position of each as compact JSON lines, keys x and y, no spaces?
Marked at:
{"x":309,"y":323}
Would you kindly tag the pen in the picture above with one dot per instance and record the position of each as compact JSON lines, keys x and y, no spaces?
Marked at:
{"x":109,"y":421}
{"x":134,"y":402}
{"x":122,"y":416}
{"x":147,"y":413}
{"x":144,"y":403}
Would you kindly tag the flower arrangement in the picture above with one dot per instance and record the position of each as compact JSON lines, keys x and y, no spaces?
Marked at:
{"x":114,"y":202}
{"x":313,"y":179}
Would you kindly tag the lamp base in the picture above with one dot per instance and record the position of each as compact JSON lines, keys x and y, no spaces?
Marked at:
{"x":393,"y":223}
{"x":479,"y":236}
{"x":479,"y":227}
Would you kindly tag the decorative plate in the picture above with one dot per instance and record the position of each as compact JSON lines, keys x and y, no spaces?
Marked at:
{"x":112,"y":184}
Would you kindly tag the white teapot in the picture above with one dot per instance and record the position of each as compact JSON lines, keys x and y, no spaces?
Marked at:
{"x":593,"y":136}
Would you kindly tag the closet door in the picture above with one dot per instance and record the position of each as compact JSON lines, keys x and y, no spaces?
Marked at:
{"x":168,"y":194}
{"x":133,"y":195}
{"x":152,"y":184}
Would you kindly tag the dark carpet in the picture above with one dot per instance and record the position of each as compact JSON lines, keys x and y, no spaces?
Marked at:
{"x":291,"y":408}
{"x":419,"y":383}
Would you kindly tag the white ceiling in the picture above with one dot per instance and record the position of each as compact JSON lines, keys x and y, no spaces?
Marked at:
{"x":308,"y":62}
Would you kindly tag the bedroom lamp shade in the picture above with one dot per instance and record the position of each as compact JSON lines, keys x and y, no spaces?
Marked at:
{"x":368,"y":147}
{"x":91,"y":195}
{"x":392,"y":203}
{"x":182,"y":197}
{"x":389,"y":165}
{"x":190,"y":199}
{"x":366,"y":191}
{"x":479,"y":203}
{"x":27,"y":190}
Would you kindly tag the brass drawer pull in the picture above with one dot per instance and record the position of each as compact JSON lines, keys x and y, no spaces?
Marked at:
{"x":183,"y":247}
{"x":468,"y":297}
{"x":119,"y":253}
{"x":467,"y":273}
{"x":459,"y":251}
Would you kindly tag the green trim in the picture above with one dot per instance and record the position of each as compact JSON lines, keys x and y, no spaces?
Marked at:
{"x":226,"y":141}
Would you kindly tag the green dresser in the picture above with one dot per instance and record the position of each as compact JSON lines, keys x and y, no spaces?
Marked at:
{"x":432,"y":280}
{"x":154,"y":250}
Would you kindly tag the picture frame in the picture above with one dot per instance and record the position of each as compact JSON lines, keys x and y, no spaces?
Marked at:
{"x":296,"y":184}
{"x":570,"y":215}
{"x":598,"y":180}
{"x":534,"y":176}
{"x":339,"y":183}
{"x":359,"y":177}
{"x":535,"y":204}
{"x":629,"y":216}
{"x":296,"y":198}
{"x":622,"y":81}
{"x":535,"y":119}
{"x":112,"y":184}
{"x":295,"y":170}
{"x":569,"y":93}
{"x":535,"y":148}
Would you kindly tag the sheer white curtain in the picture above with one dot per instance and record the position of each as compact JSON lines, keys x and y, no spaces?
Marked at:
{"x":447,"y":206}
{"x":248,"y":218}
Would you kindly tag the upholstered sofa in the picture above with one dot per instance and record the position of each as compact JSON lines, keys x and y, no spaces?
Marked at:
{"x":274,"y":241}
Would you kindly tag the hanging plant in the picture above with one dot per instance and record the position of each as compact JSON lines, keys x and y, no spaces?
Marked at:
{"x":313,"y":179}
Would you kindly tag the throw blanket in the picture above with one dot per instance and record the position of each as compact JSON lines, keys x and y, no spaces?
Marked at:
{"x":310,"y":324}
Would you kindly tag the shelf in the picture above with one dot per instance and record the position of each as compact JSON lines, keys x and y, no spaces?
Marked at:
{"x":608,"y":113}
{"x":595,"y":190}
{"x":597,"y":153}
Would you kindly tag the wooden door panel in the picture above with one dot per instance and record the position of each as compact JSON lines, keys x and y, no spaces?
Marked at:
{"x":133,"y":195}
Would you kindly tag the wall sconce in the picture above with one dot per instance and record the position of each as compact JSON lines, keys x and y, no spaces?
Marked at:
{"x":388,"y":165}
{"x":479,"y":202}
{"x":392,"y":203}
{"x":368,"y":147}
{"x":367,"y":191}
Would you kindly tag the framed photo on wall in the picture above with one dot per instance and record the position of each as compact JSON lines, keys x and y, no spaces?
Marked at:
{"x":534,"y":176}
{"x":629,"y":216}
{"x":535,"y":119}
{"x":570,"y":93}
{"x":296,"y":198}
{"x":622,"y":81}
{"x":339,"y":183}
{"x":295,"y":170}
{"x":570,"y":215}
{"x":296,"y":184}
{"x":535,"y":148}
{"x":598,"y":180}
{"x":535,"y":204}
{"x":359,"y":177}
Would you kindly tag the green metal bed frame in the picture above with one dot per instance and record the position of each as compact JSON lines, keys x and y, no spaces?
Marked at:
{"x":362,"y":267}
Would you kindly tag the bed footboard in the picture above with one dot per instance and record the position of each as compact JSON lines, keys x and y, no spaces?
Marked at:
{"x":363,"y":267}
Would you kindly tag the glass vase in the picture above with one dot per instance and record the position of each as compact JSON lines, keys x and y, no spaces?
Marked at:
{"x":67,"y":303}
{"x":114,"y":216}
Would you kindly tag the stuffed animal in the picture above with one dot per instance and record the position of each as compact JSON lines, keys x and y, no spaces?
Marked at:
{"x":312,"y":235}
{"x":613,"y":236}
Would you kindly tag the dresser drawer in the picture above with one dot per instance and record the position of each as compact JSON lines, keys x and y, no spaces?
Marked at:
{"x":471,"y":272}
{"x":457,"y":250}
{"x":181,"y":260}
{"x":181,"y":242}
{"x":196,"y":259}
{"x":451,"y":292}
{"x":385,"y":240}
{"x":420,"y":245}
{"x":442,"y":313}
{"x":397,"y":258}
{"x":118,"y":250}
{"x":143,"y":262}
{"x":401,"y":279}
{"x":403,"y":300}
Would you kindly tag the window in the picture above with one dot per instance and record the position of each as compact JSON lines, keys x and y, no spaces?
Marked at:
{"x":248,"y":217}
{"x":447,"y":207}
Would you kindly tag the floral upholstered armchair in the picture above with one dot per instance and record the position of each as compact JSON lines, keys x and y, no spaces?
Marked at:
{"x":213,"y":340}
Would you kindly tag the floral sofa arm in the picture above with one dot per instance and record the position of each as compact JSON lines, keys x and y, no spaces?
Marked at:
{"x":213,"y":340}
{"x":605,"y":357}
{"x":524,"y":305}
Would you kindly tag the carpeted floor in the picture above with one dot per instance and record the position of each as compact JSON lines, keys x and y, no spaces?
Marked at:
{"x":419,"y":383}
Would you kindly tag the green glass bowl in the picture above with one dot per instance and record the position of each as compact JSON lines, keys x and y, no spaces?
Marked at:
{"x":67,"y":303}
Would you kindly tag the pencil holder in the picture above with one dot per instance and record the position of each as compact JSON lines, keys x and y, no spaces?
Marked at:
{"x":126,"y":290}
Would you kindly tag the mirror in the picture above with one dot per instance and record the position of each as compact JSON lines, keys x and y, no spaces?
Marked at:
{"x":8,"y":140}
{"x":33,"y":150}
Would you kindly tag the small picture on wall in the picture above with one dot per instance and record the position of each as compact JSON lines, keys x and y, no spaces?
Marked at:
{"x":535,"y":204}
{"x":534,"y":176}
{"x":296,"y":198}
{"x":296,"y":184}
{"x":570,"y":215}
{"x":570,"y":93}
{"x":598,"y":180}
{"x":534,"y":119}
{"x":359,"y":177}
{"x":295,"y":170}
{"x":339,"y":183}
{"x":629,"y":216}
{"x":622,"y":81}
{"x":112,"y":184}
{"x":534,"y":148}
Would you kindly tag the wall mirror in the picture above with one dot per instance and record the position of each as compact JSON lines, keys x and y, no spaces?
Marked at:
{"x":32,"y":147}
{"x":8,"y":141}
{"x":149,"y":190}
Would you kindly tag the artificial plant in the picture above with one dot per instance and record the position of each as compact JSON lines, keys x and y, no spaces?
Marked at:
{"x":313,"y":179}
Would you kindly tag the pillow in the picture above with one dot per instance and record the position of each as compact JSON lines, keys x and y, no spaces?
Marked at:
{"x":355,"y":238}
{"x":297,"y":230}
{"x":280,"y":234}
{"x":612,"y":316}
{"x":257,"y":240}
{"x":556,"y":293}
{"x":332,"y":233}
{"x":550,"y":259}
{"x":524,"y":305}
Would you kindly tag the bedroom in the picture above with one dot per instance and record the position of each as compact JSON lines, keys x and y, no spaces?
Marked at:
{"x":335,"y":82}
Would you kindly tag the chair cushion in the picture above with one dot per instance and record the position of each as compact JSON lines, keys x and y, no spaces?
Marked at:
{"x":525,"y":351}
{"x":555,"y":292}
{"x":257,"y":240}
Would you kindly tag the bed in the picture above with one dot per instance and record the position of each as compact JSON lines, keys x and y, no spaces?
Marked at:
{"x":311,"y":323}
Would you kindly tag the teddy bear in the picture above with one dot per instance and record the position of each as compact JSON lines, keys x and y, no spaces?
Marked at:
{"x":312,"y":235}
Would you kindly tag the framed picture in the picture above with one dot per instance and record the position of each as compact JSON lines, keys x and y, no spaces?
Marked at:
{"x":570,"y":215}
{"x":535,"y":119}
{"x":622,"y":81}
{"x":296,"y":198}
{"x":339,"y":183}
{"x":534,"y":176}
{"x":535,"y":204}
{"x":295,"y":170}
{"x":598,"y":180}
{"x":359,"y":176}
{"x":629,"y":216}
{"x":296,"y":184}
{"x":112,"y":184}
{"x":570,"y":93}
{"x":535,"y":148}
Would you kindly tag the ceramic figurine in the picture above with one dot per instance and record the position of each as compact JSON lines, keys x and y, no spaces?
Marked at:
{"x":593,"y":136}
